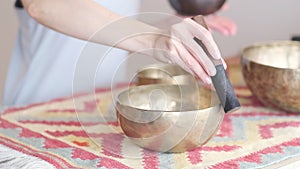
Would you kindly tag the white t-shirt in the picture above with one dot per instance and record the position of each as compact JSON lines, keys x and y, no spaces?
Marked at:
{"x":43,"y":61}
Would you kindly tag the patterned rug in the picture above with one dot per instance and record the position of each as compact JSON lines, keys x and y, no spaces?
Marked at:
{"x":252,"y":137}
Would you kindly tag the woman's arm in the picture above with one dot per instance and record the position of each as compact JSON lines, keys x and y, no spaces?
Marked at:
{"x":83,"y":18}
{"x":69,"y":16}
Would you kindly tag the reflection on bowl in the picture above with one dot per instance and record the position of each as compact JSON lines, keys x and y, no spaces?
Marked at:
{"x":272,"y":72}
{"x":164,"y":74}
{"x":169,"y":118}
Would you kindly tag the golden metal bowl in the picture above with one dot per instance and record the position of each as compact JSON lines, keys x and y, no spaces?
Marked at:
{"x":196,"y":7}
{"x":164,"y":74}
{"x":169,"y":118}
{"x":272,"y":72}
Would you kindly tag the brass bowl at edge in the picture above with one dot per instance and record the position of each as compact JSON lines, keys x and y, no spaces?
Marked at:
{"x":272,"y":72}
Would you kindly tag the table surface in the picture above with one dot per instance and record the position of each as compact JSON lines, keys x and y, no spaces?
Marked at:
{"x":82,"y":132}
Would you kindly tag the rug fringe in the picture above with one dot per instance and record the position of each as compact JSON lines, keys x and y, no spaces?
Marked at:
{"x":12,"y":159}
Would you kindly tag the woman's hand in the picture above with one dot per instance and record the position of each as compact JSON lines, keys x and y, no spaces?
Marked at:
{"x":178,"y":46}
{"x":218,"y":23}
{"x":221,"y":24}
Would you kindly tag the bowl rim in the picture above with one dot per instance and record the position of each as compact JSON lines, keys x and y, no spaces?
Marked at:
{"x":163,"y":67}
{"x":167,"y":111}
{"x":268,"y":43}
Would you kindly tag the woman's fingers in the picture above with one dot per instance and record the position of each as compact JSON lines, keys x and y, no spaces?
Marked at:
{"x":199,"y":56}
{"x":205,"y":36}
{"x":224,"y":63}
{"x":191,"y":63}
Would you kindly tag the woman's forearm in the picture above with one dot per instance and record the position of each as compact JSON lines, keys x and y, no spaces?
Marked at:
{"x":84,"y":18}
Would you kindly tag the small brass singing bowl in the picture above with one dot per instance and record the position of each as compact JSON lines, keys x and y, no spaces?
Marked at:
{"x":169,"y":118}
{"x":272,"y":72}
{"x":163,"y":74}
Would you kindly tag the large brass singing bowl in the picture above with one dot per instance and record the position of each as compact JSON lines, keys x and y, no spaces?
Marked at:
{"x":169,"y":118}
{"x":272,"y":72}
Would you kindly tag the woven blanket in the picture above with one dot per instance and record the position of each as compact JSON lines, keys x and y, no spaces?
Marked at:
{"x":83,"y":132}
